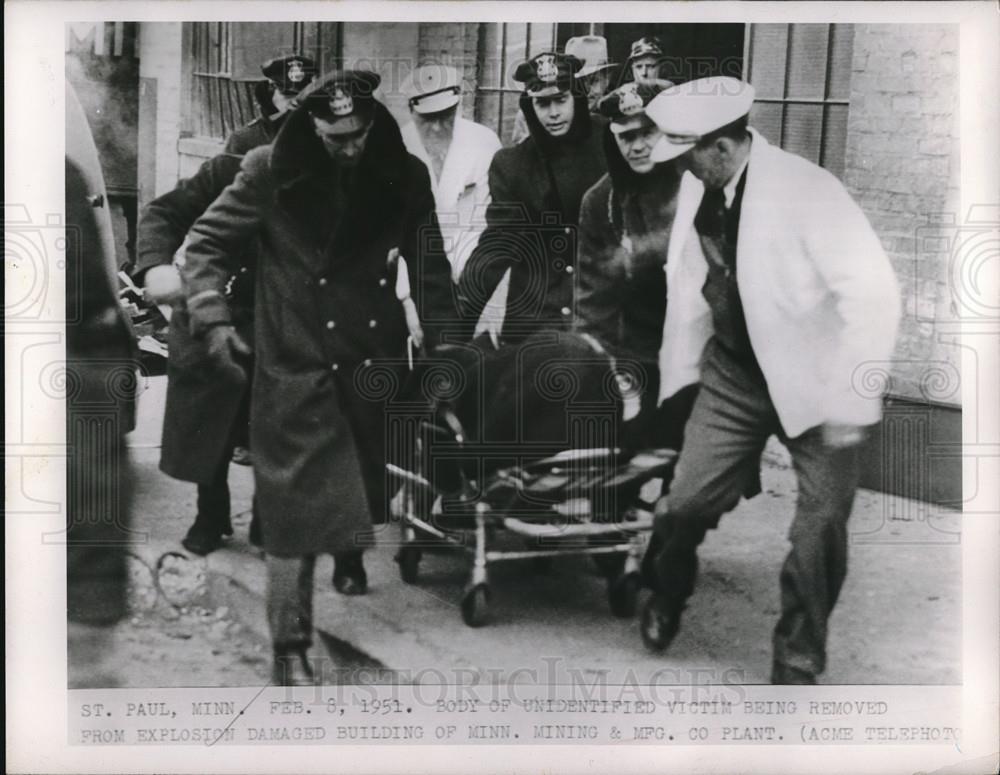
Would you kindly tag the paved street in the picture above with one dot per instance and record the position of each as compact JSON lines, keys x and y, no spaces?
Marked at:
{"x":898,"y":620}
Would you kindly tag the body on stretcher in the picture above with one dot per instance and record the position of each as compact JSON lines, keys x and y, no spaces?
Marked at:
{"x":579,"y":502}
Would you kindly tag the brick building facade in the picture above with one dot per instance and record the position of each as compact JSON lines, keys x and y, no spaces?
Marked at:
{"x":875,"y":104}
{"x":902,"y":166}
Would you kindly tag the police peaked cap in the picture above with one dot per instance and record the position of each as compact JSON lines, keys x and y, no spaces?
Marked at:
{"x":629,"y":102}
{"x":345,"y":98}
{"x":291,"y":74}
{"x":548,"y":73}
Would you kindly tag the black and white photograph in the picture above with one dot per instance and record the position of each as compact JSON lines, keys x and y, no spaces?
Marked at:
{"x":524,"y":380}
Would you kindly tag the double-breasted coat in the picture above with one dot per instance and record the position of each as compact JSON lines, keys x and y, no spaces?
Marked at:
{"x":202,"y":406}
{"x":531,"y":224}
{"x":330,"y":334}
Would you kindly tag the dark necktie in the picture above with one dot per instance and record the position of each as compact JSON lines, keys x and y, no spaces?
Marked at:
{"x":710,"y":223}
{"x":710,"y":220}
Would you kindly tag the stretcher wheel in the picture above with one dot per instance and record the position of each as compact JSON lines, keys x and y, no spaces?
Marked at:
{"x":623,"y":594}
{"x":409,"y":564}
{"x":475,"y":605}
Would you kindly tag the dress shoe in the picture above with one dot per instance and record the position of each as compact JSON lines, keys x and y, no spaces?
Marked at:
{"x":349,"y":577}
{"x":202,"y":539}
{"x":292,"y":668}
{"x":659,"y":623}
{"x":791,"y":676}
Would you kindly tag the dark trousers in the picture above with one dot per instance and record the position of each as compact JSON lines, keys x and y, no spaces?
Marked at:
{"x":730,"y":422}
{"x":290,"y":601}
{"x":213,"y":496}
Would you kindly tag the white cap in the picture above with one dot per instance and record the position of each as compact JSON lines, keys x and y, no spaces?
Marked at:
{"x":688,"y":112}
{"x":432,"y":88}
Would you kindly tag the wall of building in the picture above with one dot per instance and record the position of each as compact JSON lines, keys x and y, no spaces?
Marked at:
{"x":160,"y":94}
{"x":455,"y":44}
{"x":902,"y":166}
{"x":389,"y":49}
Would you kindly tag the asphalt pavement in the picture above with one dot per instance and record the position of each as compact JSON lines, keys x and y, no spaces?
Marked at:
{"x":898,"y":619}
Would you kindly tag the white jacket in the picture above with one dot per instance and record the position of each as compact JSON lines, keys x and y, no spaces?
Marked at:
{"x":821,"y":301}
{"x":463,"y":191}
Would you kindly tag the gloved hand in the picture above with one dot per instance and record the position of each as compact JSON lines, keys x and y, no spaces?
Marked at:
{"x":225,"y":347}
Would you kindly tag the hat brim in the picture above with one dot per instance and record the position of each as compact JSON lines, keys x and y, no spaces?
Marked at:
{"x":435,"y":103}
{"x":638,"y":121}
{"x":591,"y":69}
{"x":664,"y":150}
{"x":346,"y":125}
{"x":647,"y":55}
{"x":549,"y":90}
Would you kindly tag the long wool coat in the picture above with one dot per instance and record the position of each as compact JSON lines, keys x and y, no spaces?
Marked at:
{"x":535,"y":189}
{"x":202,"y":408}
{"x":330,"y":333}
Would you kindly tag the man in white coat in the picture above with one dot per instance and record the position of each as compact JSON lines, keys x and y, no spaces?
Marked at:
{"x":457,"y":153}
{"x":777,"y":280}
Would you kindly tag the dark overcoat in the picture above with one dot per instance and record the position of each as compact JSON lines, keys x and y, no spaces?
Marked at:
{"x":625,"y":223}
{"x":535,"y":191}
{"x":330,"y":332}
{"x":202,"y":407}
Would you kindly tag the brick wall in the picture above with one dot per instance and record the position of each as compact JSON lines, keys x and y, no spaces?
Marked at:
{"x":455,"y":44}
{"x":388,"y":48}
{"x":902,"y":166}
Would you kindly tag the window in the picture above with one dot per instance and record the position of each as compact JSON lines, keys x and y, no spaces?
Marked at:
{"x":802,"y":75}
{"x":225,"y":59}
{"x":502,"y":47}
{"x":219,"y":104}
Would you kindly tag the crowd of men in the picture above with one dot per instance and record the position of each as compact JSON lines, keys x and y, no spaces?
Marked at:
{"x":743,"y":282}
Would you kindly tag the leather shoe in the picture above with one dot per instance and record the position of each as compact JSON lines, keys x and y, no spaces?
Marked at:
{"x":349,"y":577}
{"x":292,"y":668}
{"x":659,"y":623}
{"x":791,"y":676}
{"x":202,"y":540}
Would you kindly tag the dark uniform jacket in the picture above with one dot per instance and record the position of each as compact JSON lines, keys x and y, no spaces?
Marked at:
{"x":535,"y":190}
{"x":330,"y":332}
{"x":202,"y":409}
{"x":625,"y":225}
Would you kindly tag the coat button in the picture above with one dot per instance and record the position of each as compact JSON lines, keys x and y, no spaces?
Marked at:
{"x":383,"y":282}
{"x":567,"y":230}
{"x":367,"y":362}
{"x":569,"y":269}
{"x":243,"y":270}
{"x":372,"y":323}
{"x":322,"y":282}
{"x":331,"y":325}
{"x":334,"y":366}
{"x":566,"y":310}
